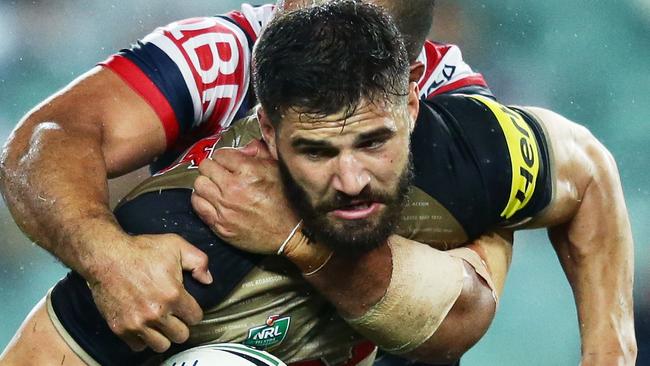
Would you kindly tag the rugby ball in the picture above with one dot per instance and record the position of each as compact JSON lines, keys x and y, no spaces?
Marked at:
{"x":223,"y":354}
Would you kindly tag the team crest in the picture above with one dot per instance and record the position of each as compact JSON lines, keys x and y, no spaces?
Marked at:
{"x":268,"y":335}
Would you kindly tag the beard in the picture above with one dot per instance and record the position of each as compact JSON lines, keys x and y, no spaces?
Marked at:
{"x":352,"y":237}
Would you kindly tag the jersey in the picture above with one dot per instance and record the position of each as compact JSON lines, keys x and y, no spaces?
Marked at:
{"x":258,"y":301}
{"x":477,"y":165}
{"x":195,"y":73}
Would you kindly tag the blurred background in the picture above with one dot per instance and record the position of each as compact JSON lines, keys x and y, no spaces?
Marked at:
{"x":588,"y":60}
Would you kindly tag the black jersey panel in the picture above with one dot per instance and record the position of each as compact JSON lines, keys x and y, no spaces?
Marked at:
{"x":167,"y":211}
{"x":170,"y":211}
{"x":461,"y":159}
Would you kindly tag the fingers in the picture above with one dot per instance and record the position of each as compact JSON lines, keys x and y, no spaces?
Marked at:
{"x":134,"y":342}
{"x":195,"y":261}
{"x":213,"y":170}
{"x":251,"y":149}
{"x":256,"y":149}
{"x":207,"y":213}
{"x":187,"y":309}
{"x":174,"y":329}
{"x":206,"y":194}
{"x":169,"y":329}
{"x":155,"y":340}
{"x":262,"y":150}
{"x":239,"y":161}
{"x":231,"y":159}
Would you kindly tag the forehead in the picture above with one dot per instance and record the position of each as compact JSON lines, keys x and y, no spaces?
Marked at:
{"x":366,"y":118}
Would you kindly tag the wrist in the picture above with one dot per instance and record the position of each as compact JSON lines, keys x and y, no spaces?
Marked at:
{"x":92,"y":248}
{"x":308,"y":256}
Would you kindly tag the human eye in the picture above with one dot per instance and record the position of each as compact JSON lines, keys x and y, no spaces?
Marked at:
{"x":316,"y":154}
{"x":373,"y":144}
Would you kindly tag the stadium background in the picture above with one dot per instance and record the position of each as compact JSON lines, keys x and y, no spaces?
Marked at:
{"x":588,"y":60}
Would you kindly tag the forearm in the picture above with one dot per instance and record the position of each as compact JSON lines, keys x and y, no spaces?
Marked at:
{"x":55,"y":165}
{"x":352,"y":284}
{"x":54,"y":183}
{"x":601,"y":278}
{"x":595,"y":248}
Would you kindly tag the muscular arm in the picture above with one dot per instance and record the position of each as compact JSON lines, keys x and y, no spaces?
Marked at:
{"x":56,"y":162}
{"x":590,"y":231}
{"x":54,"y":171}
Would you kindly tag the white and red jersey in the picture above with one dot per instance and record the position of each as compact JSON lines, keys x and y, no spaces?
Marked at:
{"x":195,"y":73}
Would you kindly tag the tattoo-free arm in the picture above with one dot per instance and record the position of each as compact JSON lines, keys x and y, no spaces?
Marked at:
{"x":54,"y":171}
{"x":56,"y":162}
{"x":590,"y":231}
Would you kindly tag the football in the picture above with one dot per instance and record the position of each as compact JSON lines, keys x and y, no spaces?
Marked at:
{"x":223,"y":354}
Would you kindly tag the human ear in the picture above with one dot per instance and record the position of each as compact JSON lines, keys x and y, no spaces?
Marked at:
{"x":268,"y":132}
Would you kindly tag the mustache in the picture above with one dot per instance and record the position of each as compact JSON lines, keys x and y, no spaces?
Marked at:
{"x":341,"y":200}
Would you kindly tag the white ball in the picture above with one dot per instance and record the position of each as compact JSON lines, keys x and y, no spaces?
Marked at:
{"x":223,"y":354}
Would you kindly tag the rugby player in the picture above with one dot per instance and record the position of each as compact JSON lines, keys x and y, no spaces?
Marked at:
{"x":122,"y":112}
{"x":144,"y":105}
{"x":340,"y":146}
{"x":318,"y":334}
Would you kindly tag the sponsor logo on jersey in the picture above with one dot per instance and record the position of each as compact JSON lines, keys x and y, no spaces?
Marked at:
{"x":524,"y":155}
{"x":270,"y":334}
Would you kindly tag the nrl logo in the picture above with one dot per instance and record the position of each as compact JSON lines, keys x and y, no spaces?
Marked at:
{"x":270,"y":334}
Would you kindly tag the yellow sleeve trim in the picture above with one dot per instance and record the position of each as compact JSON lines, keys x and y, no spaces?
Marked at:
{"x":524,"y":154}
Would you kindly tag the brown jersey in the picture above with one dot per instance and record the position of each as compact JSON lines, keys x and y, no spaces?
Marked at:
{"x":477,"y":165}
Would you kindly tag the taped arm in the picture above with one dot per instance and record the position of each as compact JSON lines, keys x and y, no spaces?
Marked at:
{"x":409,"y":298}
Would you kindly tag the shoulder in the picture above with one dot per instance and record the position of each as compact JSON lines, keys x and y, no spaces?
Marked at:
{"x":446,"y":71}
{"x":252,"y":18}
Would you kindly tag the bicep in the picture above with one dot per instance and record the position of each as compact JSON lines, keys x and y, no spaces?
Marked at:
{"x":580,"y":166}
{"x":132,"y":133}
{"x":588,"y":204}
{"x":96,"y":111}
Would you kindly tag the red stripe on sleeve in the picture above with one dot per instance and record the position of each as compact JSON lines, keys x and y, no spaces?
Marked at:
{"x":476,"y":79}
{"x":141,"y":84}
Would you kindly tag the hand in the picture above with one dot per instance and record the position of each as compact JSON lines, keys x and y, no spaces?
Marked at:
{"x":141,"y":293}
{"x":239,"y":195}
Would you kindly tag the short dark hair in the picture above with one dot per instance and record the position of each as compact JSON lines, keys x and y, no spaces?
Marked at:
{"x":327,"y":58}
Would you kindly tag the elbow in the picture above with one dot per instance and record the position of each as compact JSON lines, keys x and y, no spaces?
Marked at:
{"x":465,"y":324}
{"x":24,"y":144}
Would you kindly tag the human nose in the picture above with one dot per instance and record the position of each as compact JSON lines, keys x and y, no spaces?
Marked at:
{"x":351,"y":176}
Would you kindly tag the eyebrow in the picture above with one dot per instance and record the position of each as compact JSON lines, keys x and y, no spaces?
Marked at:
{"x":380,"y":132}
{"x":304,"y":142}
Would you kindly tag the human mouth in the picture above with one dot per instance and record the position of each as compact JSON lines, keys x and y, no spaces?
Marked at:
{"x":357,"y":210}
